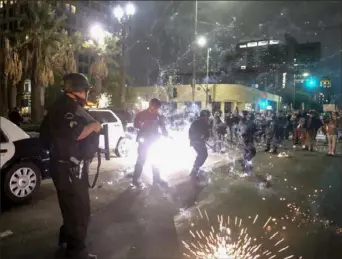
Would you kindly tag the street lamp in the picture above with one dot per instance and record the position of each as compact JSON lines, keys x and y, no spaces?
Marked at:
{"x":202,"y":41}
{"x":97,"y":33}
{"x":193,"y":83}
{"x":123,"y":15}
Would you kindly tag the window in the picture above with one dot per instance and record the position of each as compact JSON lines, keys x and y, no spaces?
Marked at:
{"x":3,"y":137}
{"x":72,"y":20}
{"x":73,"y":9}
{"x":83,"y":58}
{"x":83,"y":69}
{"x":23,"y":8}
{"x":67,"y":7}
{"x":11,"y":12}
{"x":4,"y":26}
{"x":103,"y":116}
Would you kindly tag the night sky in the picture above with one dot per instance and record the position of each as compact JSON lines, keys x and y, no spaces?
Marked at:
{"x":162,"y":32}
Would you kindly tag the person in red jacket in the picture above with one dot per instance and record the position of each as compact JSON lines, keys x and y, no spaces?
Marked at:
{"x":150,"y":126}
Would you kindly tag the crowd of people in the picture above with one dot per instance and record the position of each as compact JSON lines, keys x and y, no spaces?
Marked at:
{"x":273,"y":128}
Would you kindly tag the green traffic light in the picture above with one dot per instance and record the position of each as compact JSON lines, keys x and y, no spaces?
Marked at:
{"x":311,"y":82}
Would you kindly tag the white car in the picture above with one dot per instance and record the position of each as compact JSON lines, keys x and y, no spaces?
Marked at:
{"x":23,"y":163}
{"x":119,"y":139}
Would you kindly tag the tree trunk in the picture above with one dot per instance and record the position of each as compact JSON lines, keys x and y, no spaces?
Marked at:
{"x":12,"y":98}
{"x":20,"y":92}
{"x":98,"y":87}
{"x":36,"y":102}
{"x":4,"y":96}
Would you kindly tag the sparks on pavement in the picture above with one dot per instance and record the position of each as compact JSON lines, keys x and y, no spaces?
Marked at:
{"x":229,"y":239}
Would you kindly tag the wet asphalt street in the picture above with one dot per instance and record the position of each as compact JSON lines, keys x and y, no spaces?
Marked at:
{"x":299,"y":215}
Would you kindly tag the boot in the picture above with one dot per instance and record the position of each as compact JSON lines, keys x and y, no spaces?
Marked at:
{"x":62,"y":238}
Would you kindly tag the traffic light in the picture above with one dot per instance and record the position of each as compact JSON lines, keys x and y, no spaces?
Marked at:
{"x":263,"y":104}
{"x":174,"y":92}
{"x":311,"y":82}
{"x":326,"y":83}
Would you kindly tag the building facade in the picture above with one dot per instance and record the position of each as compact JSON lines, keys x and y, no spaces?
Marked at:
{"x":276,"y":64}
{"x":224,"y":97}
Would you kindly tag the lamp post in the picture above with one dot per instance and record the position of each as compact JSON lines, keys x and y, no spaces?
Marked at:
{"x":193,"y":82}
{"x":202,"y":42}
{"x":123,"y":15}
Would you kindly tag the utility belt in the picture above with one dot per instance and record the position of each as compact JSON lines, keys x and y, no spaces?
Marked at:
{"x":76,"y":168}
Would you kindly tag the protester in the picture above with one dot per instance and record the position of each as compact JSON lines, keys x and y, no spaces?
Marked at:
{"x":331,"y":129}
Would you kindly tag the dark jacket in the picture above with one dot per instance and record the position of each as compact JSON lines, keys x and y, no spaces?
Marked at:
{"x":247,"y":130}
{"x":313,"y":123}
{"x":199,"y":131}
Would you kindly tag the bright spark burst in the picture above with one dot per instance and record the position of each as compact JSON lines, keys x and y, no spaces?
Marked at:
{"x":230,"y":240}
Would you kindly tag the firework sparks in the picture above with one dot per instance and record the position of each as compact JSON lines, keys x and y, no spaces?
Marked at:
{"x":230,"y":240}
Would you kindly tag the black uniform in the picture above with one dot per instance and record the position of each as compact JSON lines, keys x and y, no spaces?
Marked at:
{"x":70,"y":159}
{"x":247,"y":129}
{"x":198,"y":134}
{"x":273,"y":133}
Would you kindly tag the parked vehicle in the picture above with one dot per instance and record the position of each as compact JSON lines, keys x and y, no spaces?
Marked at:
{"x":119,"y":138}
{"x":24,"y":163}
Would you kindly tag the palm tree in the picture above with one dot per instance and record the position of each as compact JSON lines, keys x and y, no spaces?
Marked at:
{"x":104,"y":56}
{"x":41,"y":37}
{"x":12,"y":73}
{"x":65,"y":61}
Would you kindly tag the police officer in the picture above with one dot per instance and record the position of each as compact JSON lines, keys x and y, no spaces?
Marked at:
{"x":198,"y":134}
{"x":273,"y":132}
{"x":67,"y":131}
{"x":149,"y":124}
{"x":247,"y":129}
{"x":219,"y":130}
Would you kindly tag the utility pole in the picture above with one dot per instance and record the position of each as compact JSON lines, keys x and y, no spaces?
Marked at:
{"x":207,"y":87}
{"x":122,"y":68}
{"x":194,"y":47}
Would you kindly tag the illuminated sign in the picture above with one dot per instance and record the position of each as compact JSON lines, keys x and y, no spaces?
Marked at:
{"x":252,"y":44}
{"x":243,"y":46}
{"x":284,"y":79}
{"x":274,"y":42}
{"x":262,"y":43}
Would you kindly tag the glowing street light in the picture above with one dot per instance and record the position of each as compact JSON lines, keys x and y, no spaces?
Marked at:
{"x":118,"y":12}
{"x":306,"y":74}
{"x":201,"y":41}
{"x":130,"y":9}
{"x":97,"y":33}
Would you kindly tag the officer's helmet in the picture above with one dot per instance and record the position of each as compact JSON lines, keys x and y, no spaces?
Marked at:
{"x":204,"y":113}
{"x":75,"y":82}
